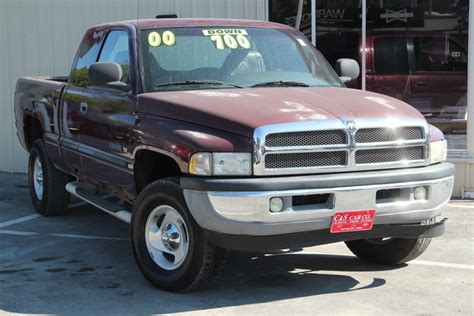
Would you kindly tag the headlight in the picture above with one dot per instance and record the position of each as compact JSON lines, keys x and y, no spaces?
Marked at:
{"x":221,"y":164}
{"x":201,"y":164}
{"x":229,"y":164}
{"x":438,"y":151}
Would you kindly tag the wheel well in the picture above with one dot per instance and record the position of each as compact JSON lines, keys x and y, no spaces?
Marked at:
{"x":33,"y":130}
{"x":150,"y":166}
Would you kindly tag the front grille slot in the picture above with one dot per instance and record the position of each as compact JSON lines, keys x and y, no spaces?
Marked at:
{"x":384,"y":135}
{"x":332,"y":146}
{"x":308,"y":138}
{"x":313,"y":199}
{"x":306,"y":160}
{"x":389,"y":155}
{"x":392,"y":195}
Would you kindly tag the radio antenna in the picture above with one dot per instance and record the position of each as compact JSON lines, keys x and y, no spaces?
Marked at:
{"x":137,"y":34}
{"x":138,"y":11}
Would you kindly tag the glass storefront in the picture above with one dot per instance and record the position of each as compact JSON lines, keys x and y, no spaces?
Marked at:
{"x":416,"y":51}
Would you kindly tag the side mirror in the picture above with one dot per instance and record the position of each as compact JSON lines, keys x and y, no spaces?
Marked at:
{"x":106,"y":74}
{"x":347,"y":69}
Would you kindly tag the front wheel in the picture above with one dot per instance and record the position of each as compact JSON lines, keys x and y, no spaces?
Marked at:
{"x":169,"y":246}
{"x":388,"y":250}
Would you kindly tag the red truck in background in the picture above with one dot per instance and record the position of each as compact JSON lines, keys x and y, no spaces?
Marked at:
{"x":426,"y":70}
{"x":207,"y":135}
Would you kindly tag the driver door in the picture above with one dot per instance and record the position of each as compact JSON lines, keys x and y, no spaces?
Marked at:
{"x":107,"y":118}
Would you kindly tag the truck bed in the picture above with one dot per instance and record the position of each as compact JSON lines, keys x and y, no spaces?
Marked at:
{"x":37,"y":97}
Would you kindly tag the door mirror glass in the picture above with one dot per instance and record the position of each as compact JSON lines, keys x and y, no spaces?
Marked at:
{"x":106,"y":74}
{"x":347,"y":69}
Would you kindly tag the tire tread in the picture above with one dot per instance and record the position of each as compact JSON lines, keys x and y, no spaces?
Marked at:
{"x":213,"y":257}
{"x":394,"y":252}
{"x":55,"y":197}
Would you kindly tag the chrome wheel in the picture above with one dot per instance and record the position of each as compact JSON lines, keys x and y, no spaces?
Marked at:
{"x":38,"y":178}
{"x":166,"y":237}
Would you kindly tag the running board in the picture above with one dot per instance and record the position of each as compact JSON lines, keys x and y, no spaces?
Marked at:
{"x":99,"y":202}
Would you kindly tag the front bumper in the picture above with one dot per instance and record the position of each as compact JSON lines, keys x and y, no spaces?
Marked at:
{"x":241,"y":206}
{"x":323,"y":236}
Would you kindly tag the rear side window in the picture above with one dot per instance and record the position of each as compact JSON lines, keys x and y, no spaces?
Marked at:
{"x":391,"y":56}
{"x":439,"y":54}
{"x":116,"y":50}
{"x":87,"y":55}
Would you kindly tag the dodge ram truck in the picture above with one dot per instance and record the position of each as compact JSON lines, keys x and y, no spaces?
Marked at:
{"x":208,"y":135}
{"x":428,"y":70}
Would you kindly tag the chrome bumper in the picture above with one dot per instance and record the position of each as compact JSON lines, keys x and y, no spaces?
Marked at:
{"x":247,"y":212}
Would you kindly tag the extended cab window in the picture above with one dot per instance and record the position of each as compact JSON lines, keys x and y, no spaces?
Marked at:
{"x":87,"y":55}
{"x":439,"y":54}
{"x":216,"y":57}
{"x":391,"y":55}
{"x":116,"y":49}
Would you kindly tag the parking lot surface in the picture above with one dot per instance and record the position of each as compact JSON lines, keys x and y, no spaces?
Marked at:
{"x":82,"y":263}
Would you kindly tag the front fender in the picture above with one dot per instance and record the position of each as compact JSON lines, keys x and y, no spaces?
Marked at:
{"x":179,"y":140}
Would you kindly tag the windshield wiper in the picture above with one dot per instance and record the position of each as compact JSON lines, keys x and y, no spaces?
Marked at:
{"x":281,"y":83}
{"x":196,"y":82}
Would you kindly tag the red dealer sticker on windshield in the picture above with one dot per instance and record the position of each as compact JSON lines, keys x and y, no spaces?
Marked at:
{"x":352,"y":221}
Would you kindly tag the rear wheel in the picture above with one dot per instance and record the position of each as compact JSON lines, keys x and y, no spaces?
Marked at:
{"x":47,"y":184}
{"x":388,"y":250}
{"x":169,"y":246}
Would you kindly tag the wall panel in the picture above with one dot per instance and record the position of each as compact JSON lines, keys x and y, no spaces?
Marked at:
{"x":40,"y":38}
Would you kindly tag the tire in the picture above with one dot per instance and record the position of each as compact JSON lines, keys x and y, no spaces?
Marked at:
{"x":168,"y":263}
{"x":52,"y":199}
{"x":392,"y":252}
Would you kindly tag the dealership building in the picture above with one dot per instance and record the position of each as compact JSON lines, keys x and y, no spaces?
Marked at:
{"x":418,"y":51}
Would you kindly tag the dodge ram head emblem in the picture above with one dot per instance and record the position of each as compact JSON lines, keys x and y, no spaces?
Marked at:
{"x":351,"y":126}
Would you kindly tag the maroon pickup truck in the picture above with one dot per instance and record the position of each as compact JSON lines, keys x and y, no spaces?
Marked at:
{"x":208,"y":135}
{"x":427,"y":70}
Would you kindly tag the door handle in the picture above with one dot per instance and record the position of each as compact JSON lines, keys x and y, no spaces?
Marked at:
{"x":83,"y":107}
{"x":420,"y":84}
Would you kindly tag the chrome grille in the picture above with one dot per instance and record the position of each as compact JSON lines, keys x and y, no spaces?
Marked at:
{"x":305,"y":160}
{"x":382,"y":135}
{"x":336,"y":146}
{"x":387,"y":155}
{"x":307,"y":138}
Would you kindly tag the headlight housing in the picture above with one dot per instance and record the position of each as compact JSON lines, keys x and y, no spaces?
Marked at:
{"x":200,"y":164}
{"x":438,"y":151}
{"x":221,"y":164}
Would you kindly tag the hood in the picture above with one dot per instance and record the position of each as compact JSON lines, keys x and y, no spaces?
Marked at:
{"x":240,"y":111}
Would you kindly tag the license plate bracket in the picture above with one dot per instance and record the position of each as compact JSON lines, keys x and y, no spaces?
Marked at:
{"x":352,"y":221}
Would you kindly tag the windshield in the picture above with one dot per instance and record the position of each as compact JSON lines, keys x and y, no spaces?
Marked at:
{"x":213,"y":57}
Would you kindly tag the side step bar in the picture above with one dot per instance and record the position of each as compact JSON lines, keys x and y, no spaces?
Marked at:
{"x":99,"y":202}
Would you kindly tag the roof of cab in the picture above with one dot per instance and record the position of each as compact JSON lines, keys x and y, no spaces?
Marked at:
{"x":172,"y":23}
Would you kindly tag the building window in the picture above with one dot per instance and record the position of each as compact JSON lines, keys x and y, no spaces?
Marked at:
{"x":416,"y":51}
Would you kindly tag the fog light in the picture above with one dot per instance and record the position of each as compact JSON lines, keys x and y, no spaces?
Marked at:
{"x":420,"y":193}
{"x":276,"y":205}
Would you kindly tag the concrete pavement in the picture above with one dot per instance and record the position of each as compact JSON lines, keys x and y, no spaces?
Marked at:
{"x":82,"y":263}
